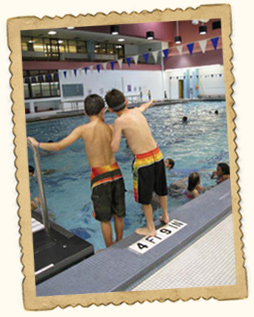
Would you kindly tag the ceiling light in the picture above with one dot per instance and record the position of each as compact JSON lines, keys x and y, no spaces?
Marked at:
{"x":121,"y":40}
{"x":178,"y":39}
{"x":149,"y":35}
{"x":202,"y":29}
{"x":52,"y":32}
{"x":71,"y":28}
{"x":114,"y":29}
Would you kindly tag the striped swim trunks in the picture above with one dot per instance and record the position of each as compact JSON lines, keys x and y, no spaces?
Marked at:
{"x":108,"y":192}
{"x":149,"y":176}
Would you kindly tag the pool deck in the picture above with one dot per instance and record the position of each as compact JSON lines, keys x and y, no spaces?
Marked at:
{"x":116,"y":268}
{"x":58,"y":114}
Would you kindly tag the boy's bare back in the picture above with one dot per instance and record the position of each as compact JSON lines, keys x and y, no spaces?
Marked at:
{"x":97,"y":136}
{"x":136,"y":130}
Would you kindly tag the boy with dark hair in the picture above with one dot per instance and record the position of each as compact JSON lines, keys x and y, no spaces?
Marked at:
{"x":107,"y":185}
{"x":148,"y":167}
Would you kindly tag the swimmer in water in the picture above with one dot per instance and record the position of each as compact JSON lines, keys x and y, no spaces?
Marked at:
{"x":222,"y":173}
{"x":194,"y":188}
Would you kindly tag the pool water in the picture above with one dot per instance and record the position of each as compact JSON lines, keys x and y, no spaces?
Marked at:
{"x":197,"y":145}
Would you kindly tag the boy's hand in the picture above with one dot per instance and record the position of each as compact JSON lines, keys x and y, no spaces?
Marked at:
{"x":145,"y":106}
{"x":33,"y":141}
{"x":152,"y":103}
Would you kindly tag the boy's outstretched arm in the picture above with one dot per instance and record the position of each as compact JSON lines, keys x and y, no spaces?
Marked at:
{"x":116,"y":138}
{"x":145,"y":106}
{"x":58,"y":146}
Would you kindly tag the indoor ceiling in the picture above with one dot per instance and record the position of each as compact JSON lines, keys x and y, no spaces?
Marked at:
{"x":73,"y":34}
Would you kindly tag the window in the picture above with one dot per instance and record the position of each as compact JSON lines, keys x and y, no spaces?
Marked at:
{"x":55,"y":89}
{"x":38,"y":45}
{"x":45,"y":88}
{"x":81,"y":47}
{"x":36,"y":90}
{"x":41,"y":84}
{"x":110,"y":49}
{"x":26,"y":91}
{"x":24,"y":41}
{"x":72,"y":47}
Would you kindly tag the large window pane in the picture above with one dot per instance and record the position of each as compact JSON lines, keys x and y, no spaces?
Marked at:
{"x":63,"y":46}
{"x":72,"y":47}
{"x":81,"y":47}
{"x":45,"y":89}
{"x":110,"y":49}
{"x":26,"y":91}
{"x":24,"y":41}
{"x":55,"y":89}
{"x":36,"y":90}
{"x":38,"y":45}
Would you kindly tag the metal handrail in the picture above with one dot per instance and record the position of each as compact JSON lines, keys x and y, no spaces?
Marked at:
{"x":36,"y":154}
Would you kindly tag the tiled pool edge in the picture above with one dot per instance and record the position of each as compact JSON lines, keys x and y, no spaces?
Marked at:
{"x":116,"y":267}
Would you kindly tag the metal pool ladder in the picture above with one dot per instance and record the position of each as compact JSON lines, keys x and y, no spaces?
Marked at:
{"x":45,"y":217}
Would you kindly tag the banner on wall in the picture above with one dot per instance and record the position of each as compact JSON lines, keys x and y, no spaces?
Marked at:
{"x":180,"y":49}
{"x":202,"y":45}
{"x":155,"y":56}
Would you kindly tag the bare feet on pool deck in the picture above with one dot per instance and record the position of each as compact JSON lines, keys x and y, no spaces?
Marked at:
{"x":98,"y":251}
{"x":146,"y":232}
{"x":164,"y":220}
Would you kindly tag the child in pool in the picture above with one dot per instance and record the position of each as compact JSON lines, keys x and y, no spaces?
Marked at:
{"x":222,"y":173}
{"x":169,"y":163}
{"x":194,"y":189}
{"x":148,"y":167}
{"x":107,"y":185}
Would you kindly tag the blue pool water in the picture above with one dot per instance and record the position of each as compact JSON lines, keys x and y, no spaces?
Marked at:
{"x":196,"y":146}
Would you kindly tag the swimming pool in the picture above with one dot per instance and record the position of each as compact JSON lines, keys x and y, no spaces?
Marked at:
{"x":196,"y":146}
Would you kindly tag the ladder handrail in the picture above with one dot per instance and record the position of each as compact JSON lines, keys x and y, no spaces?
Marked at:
{"x":36,"y":154}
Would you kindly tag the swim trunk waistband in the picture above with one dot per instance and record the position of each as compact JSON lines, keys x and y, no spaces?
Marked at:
{"x":150,"y":157}
{"x":104,"y":174}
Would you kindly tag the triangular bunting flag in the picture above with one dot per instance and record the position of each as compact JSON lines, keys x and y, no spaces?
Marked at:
{"x":128,"y":59}
{"x":136,"y":59}
{"x":215,"y":42}
{"x":155,"y":56}
{"x":65,"y":73}
{"x":120,"y":62}
{"x":190,"y":47}
{"x":75,"y":72}
{"x":98,"y":67}
{"x":112,"y":64}
{"x":85,"y":69}
{"x":202,"y":45}
{"x":180,"y":49}
{"x":48,"y":77}
{"x":105,"y":66}
{"x":91,"y":68}
{"x":146,"y":57}
{"x":165,"y":52}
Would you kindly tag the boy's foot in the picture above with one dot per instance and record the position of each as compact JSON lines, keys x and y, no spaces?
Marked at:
{"x":98,"y":251}
{"x":146,"y":232}
{"x":165,"y":220}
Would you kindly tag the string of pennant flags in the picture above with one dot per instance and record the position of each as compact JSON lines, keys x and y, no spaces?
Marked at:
{"x":165,"y":53}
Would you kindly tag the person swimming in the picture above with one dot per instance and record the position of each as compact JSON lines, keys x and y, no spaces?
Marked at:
{"x":169,"y":163}
{"x":222,"y":173}
{"x":194,"y":189}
